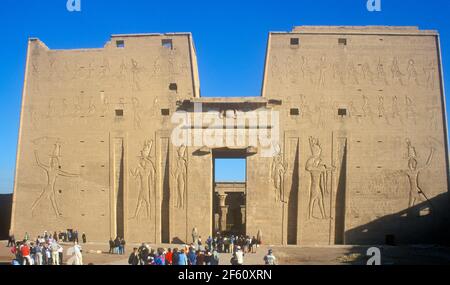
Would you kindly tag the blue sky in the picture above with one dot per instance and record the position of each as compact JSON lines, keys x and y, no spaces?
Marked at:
{"x":230,"y":38}
{"x":223,"y":167}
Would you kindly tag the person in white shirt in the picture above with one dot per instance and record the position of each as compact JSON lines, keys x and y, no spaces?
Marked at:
{"x":239,"y":256}
{"x":60,"y":254}
{"x":55,"y":252}
{"x":77,"y":252}
{"x":270,"y":259}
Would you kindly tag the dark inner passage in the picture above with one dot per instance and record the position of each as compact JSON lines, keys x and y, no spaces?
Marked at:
{"x":119,"y":173}
{"x":229,"y":199}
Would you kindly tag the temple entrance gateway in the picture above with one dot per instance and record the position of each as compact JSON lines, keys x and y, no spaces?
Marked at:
{"x":229,"y":194}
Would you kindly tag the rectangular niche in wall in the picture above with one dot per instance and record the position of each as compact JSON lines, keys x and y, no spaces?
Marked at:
{"x":295,"y":112}
{"x":165,"y":112}
{"x":120,"y":44}
{"x":119,"y":112}
{"x":342,"y":112}
{"x":167,"y":43}
{"x":342,"y":42}
{"x":173,"y":87}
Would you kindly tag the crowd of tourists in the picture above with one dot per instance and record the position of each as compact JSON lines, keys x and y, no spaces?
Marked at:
{"x":46,"y":249}
{"x":229,"y":243}
{"x":198,"y":253}
{"x":62,"y":236}
{"x":186,"y":255}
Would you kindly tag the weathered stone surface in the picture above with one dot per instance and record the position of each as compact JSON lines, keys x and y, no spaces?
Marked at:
{"x":362,"y":130}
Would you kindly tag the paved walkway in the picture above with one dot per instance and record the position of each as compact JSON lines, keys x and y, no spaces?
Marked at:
{"x":97,"y":253}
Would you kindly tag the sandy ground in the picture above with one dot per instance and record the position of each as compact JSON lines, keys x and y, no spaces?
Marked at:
{"x":97,"y":254}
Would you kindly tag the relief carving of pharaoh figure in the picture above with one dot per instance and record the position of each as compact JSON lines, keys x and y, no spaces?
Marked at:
{"x":277,"y":173}
{"x":416,"y":193}
{"x":319,"y":179}
{"x":53,"y":171}
{"x":179,"y":175}
{"x":145,"y":174}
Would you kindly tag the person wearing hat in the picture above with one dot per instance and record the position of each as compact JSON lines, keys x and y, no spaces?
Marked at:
{"x":270,"y":259}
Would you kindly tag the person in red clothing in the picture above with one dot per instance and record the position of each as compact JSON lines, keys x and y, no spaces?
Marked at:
{"x":169,"y":256}
{"x":25,"y":250}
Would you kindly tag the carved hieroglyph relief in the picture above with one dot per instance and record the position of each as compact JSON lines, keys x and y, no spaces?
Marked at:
{"x":381,"y":110}
{"x":395,"y":109}
{"x":157,"y":66}
{"x":34,"y":117}
{"x":51,"y":109}
{"x":354,"y":114}
{"x":352,"y":73}
{"x":123,"y":69}
{"x":104,"y":68}
{"x":180,"y":174}
{"x":319,"y":175}
{"x":367,"y":73}
{"x":91,"y":107}
{"x":415,"y":192}
{"x":305,"y":112}
{"x":338,"y":73}
{"x":397,"y":75}
{"x":433,"y":114}
{"x":322,"y":112}
{"x":430,"y":74}
{"x":412,"y":72}
{"x":144,"y":174}
{"x":306,"y":70}
{"x":137,"y":114}
{"x":381,"y":74}
{"x":135,"y":71}
{"x":367,"y":108}
{"x":52,"y":171}
{"x":323,"y":66}
{"x":411,"y":110}
{"x":105,"y":103}
{"x":277,"y":173}
{"x":292,"y":69}
{"x":172,"y":65}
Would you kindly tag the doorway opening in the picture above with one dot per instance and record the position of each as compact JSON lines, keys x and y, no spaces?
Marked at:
{"x":229,"y":196}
